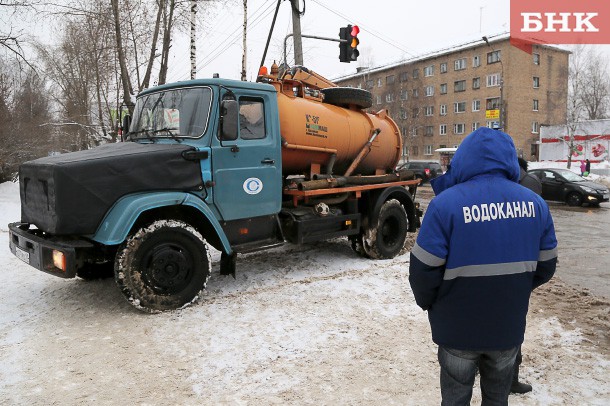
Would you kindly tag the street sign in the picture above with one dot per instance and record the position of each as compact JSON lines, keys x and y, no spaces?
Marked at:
{"x":492,"y":114}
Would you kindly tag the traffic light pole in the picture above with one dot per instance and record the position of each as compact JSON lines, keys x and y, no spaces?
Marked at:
{"x":306,"y":36}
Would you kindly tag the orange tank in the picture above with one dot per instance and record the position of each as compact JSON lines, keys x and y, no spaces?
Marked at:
{"x":317,"y":135}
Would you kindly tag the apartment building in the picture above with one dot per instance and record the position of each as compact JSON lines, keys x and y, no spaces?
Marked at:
{"x":438,"y":99}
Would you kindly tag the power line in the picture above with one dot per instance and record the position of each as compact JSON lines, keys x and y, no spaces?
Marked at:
{"x":235,"y":35}
{"x":366,"y":28}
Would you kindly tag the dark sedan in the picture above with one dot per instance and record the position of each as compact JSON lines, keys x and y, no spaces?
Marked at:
{"x":565,"y":186}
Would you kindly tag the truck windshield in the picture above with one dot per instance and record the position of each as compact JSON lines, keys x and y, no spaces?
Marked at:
{"x":177,"y":113}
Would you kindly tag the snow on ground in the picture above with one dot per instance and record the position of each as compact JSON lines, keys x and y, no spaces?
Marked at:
{"x":312,"y":325}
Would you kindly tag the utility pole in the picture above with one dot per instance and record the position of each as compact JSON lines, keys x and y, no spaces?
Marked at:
{"x":296,"y":31}
{"x":243,"y":57}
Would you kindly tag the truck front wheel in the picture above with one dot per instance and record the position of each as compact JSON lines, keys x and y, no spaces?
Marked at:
{"x":387,"y":238}
{"x":163,"y":266}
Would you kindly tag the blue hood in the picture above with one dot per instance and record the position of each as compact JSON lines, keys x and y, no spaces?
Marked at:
{"x":484,"y":151}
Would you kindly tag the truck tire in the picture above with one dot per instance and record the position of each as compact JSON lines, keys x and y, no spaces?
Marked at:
{"x":341,"y":96}
{"x":163,"y":266}
{"x":387,"y":239}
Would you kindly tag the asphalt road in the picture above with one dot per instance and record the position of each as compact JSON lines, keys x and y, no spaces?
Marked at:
{"x":583,"y":234}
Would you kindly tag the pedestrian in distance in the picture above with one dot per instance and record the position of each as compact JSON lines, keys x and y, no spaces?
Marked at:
{"x":485,"y":243}
{"x":587,"y":168}
{"x":583,"y":168}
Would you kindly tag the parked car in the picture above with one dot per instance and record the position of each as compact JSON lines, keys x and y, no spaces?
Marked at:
{"x":565,"y":186}
{"x":423,"y":170}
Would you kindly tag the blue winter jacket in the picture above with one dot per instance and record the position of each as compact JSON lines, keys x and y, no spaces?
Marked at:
{"x":485,"y":243}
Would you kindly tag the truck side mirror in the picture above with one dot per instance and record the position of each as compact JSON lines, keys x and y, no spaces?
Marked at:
{"x":228,"y":120}
{"x":125,"y":126}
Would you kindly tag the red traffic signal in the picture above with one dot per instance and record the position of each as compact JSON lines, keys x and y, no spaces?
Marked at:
{"x":348,"y":45}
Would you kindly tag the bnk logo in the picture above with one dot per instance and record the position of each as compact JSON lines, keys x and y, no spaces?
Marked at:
{"x":560,"y":21}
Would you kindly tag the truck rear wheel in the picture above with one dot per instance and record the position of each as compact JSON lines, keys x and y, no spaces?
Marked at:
{"x":387,"y":239}
{"x":163,"y":266}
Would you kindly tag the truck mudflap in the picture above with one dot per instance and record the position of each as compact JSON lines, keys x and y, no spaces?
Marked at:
{"x":54,"y":255}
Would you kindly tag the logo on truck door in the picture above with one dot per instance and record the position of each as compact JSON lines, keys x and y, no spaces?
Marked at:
{"x":253,"y":186}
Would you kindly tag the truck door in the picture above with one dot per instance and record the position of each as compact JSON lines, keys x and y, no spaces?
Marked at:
{"x":246,"y":165}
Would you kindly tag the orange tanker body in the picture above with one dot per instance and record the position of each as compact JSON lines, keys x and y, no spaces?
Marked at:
{"x":320,"y":137}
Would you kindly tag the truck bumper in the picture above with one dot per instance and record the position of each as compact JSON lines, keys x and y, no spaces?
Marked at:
{"x":51,"y":254}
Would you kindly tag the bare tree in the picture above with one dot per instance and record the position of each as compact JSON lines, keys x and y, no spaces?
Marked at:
{"x":595,"y":88}
{"x":588,"y":91}
{"x":24,"y":111}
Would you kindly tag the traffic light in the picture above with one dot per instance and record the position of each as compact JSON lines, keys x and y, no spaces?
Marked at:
{"x":348,"y":47}
{"x":353,"y":45}
{"x":345,"y":37}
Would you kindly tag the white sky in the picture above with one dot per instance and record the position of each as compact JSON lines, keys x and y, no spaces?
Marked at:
{"x":391,"y":30}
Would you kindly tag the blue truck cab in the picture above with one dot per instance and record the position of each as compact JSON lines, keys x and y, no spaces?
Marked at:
{"x":200,"y":165}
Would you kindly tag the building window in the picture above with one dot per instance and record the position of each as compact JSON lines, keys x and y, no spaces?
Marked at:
{"x":493,"y":57}
{"x":493,"y":80}
{"x":443,"y":88}
{"x":492,"y":103}
{"x":442,"y":129}
{"x":459,"y":128}
{"x":370,"y":84}
{"x":389,"y":80}
{"x":535,"y":107}
{"x":475,"y":126}
{"x":378,"y":99}
{"x":459,"y":86}
{"x":535,"y":127}
{"x":415,"y":93}
{"x":415,"y":73}
{"x":429,"y":90}
{"x":403,"y":114}
{"x":429,"y":111}
{"x":536,"y":82}
{"x":415,"y":112}
{"x":459,"y":64}
{"x":459,"y":107}
{"x":476,"y":105}
{"x":404,"y":76}
{"x":404,"y":94}
{"x":536,"y":58}
{"x":415,"y":150}
{"x":443,"y":110}
{"x":427,"y":149}
{"x":476,"y":61}
{"x":444,"y":67}
{"x":476,"y":83}
{"x":389,"y":98}
{"x":429,"y":71}
{"x":379,"y":82}
{"x":414,"y":131}
{"x":429,"y":131}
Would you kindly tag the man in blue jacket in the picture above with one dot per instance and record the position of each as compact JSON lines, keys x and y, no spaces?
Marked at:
{"x":485,"y":243}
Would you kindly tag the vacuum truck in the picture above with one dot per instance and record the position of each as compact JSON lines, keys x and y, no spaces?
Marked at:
{"x":238,"y":166}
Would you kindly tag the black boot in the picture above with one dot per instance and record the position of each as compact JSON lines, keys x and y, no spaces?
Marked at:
{"x":519,"y":387}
